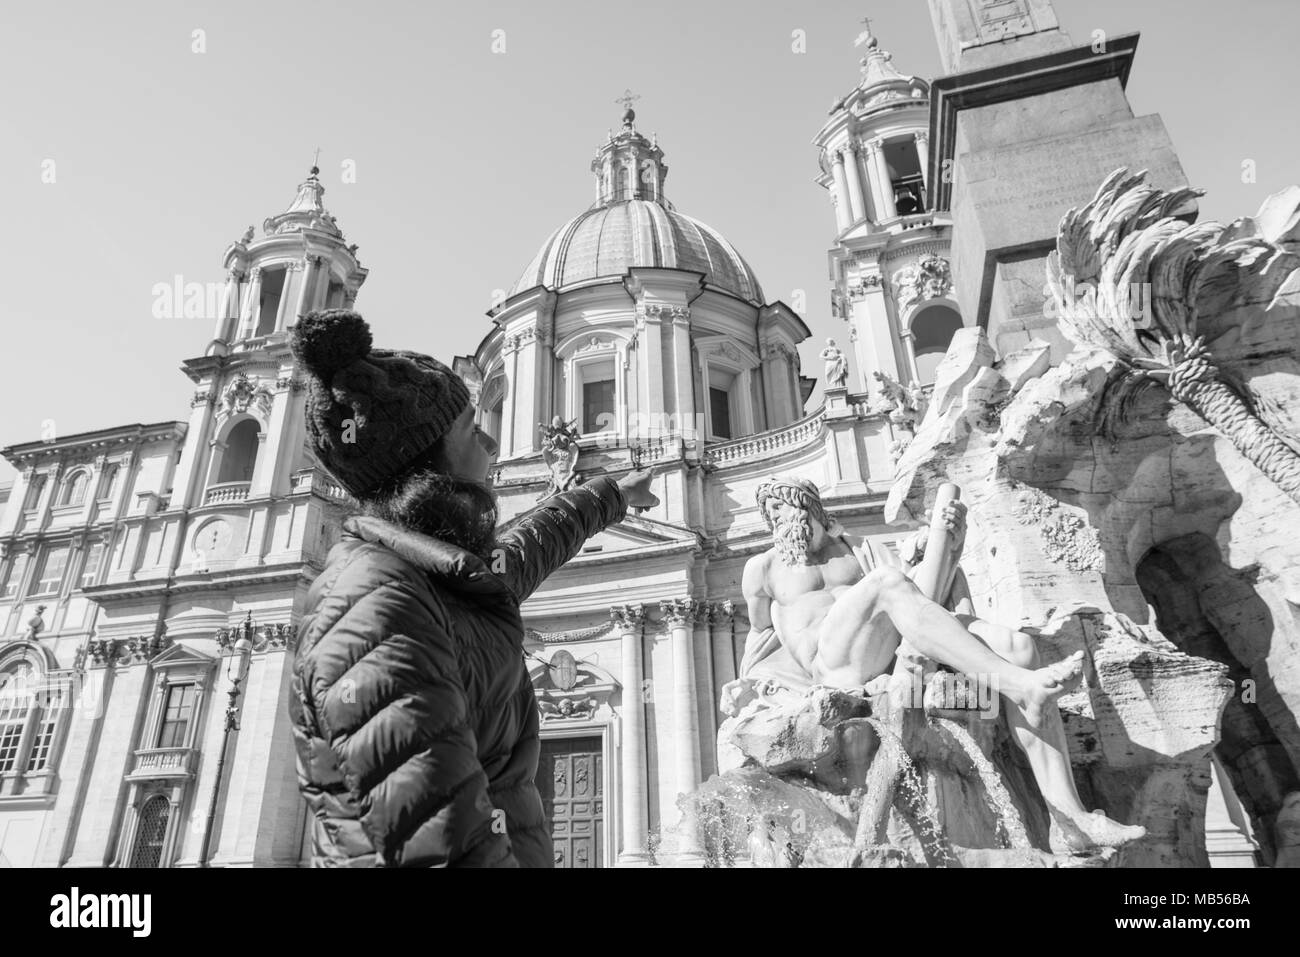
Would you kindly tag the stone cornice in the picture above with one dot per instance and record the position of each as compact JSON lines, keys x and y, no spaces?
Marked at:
{"x":951,"y":94}
{"x":28,"y":454}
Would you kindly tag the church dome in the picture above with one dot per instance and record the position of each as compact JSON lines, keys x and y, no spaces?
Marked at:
{"x":632,"y":225}
{"x":606,"y":241}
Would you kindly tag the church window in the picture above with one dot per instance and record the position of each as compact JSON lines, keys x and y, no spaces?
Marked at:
{"x":108,"y":482}
{"x":334,"y":295}
{"x":151,"y":832}
{"x":597,"y":404}
{"x":178,"y":711}
{"x":49,"y":574}
{"x":29,"y":719}
{"x":34,"y":493}
{"x":493,"y":407}
{"x":240,"y":454}
{"x":932,"y":332}
{"x":74,"y":488}
{"x":14,"y":577}
{"x":269,"y":307}
{"x":720,"y":410}
{"x":15,"y":710}
{"x":90,"y":567}
{"x":49,"y":706}
{"x":722,"y":403}
{"x":596,"y":395}
{"x":906,"y":179}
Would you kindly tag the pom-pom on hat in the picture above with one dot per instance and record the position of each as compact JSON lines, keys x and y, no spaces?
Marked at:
{"x":371,"y":413}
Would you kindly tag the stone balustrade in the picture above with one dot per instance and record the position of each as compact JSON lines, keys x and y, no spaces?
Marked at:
{"x":225,"y":492}
{"x":313,"y":480}
{"x":164,"y":763}
{"x":804,"y":432}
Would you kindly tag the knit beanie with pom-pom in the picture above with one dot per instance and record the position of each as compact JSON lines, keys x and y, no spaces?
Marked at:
{"x":371,"y":413}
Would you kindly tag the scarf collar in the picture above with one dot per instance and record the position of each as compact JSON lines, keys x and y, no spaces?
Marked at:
{"x":452,"y":565}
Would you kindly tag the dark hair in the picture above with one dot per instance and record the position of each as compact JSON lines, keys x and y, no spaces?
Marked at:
{"x":426,"y":499}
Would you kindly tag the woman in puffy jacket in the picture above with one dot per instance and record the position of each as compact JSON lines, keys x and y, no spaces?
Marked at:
{"x":413,"y":717}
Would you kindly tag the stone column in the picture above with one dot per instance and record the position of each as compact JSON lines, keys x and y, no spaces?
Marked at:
{"x":875,"y":333}
{"x":636,"y":816}
{"x":923,"y":155}
{"x":909,"y":353}
{"x":525,"y":435}
{"x":722,"y":616}
{"x":229,"y":306}
{"x":843,"y":213}
{"x":683,"y":384}
{"x":308,"y":284}
{"x":186,"y":490}
{"x":248,"y":321}
{"x":650,"y":369}
{"x":510,"y":357}
{"x":679,"y":616}
{"x":858,"y":206}
{"x":873,"y":182}
{"x":887,"y":208}
{"x":282,"y":312}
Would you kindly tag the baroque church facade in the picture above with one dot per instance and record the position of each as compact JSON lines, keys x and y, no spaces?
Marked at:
{"x":152,"y":576}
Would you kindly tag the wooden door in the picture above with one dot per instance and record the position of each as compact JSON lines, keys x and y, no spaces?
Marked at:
{"x":570,"y":776}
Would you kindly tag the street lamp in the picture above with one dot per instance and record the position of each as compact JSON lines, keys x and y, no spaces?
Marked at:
{"x":236,"y":671}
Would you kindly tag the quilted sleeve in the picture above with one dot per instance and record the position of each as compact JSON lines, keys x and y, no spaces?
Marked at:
{"x":384,"y":741}
{"x":537,"y":544}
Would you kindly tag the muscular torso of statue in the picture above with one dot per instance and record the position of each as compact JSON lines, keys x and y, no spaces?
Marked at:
{"x":805,"y":607}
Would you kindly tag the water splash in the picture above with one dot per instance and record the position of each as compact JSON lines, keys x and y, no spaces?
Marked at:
{"x":893,"y":782}
{"x":1011,"y":829}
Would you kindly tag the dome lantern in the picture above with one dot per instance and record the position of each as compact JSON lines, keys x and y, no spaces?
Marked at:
{"x":629,"y":166}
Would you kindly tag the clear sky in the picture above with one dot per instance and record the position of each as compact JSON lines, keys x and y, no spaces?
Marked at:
{"x":466,"y":159}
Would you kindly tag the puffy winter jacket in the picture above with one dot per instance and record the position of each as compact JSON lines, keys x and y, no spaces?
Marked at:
{"x":413,"y":717}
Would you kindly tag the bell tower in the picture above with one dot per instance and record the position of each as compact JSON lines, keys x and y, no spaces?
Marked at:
{"x":889,"y":261}
{"x":245,"y":432}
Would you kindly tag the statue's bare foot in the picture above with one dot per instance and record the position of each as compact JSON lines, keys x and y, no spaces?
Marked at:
{"x":1082,"y":832}
{"x":1048,"y":684}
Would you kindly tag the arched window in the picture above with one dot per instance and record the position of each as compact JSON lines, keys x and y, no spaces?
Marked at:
{"x":241,"y":453}
{"x":32,"y":706}
{"x":74,"y":488}
{"x":269,"y":307}
{"x":151,"y":831}
{"x":932,"y":332}
{"x":16,"y":692}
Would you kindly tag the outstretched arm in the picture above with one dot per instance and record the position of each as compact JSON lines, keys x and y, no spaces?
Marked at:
{"x":536,"y":545}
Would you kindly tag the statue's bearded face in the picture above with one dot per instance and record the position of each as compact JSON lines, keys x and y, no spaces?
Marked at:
{"x":792,"y":531}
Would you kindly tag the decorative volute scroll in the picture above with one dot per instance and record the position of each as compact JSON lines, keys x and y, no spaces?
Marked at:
{"x":680,"y":611}
{"x":628,"y":617}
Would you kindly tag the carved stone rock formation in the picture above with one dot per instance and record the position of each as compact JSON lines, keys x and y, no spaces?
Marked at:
{"x":1155,"y":542}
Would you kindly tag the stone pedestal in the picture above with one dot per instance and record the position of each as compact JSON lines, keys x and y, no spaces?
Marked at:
{"x":1025,"y":131}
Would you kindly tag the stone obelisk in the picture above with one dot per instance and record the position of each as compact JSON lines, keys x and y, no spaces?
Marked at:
{"x":1025,"y":125}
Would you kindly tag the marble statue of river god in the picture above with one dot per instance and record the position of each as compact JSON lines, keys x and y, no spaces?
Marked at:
{"x":823,"y":611}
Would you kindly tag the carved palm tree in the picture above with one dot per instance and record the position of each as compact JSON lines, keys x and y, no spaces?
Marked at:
{"x":1132,"y":236}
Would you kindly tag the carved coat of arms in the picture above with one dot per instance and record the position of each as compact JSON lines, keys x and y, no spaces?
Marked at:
{"x":928,"y":278}
{"x":243,"y":395}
